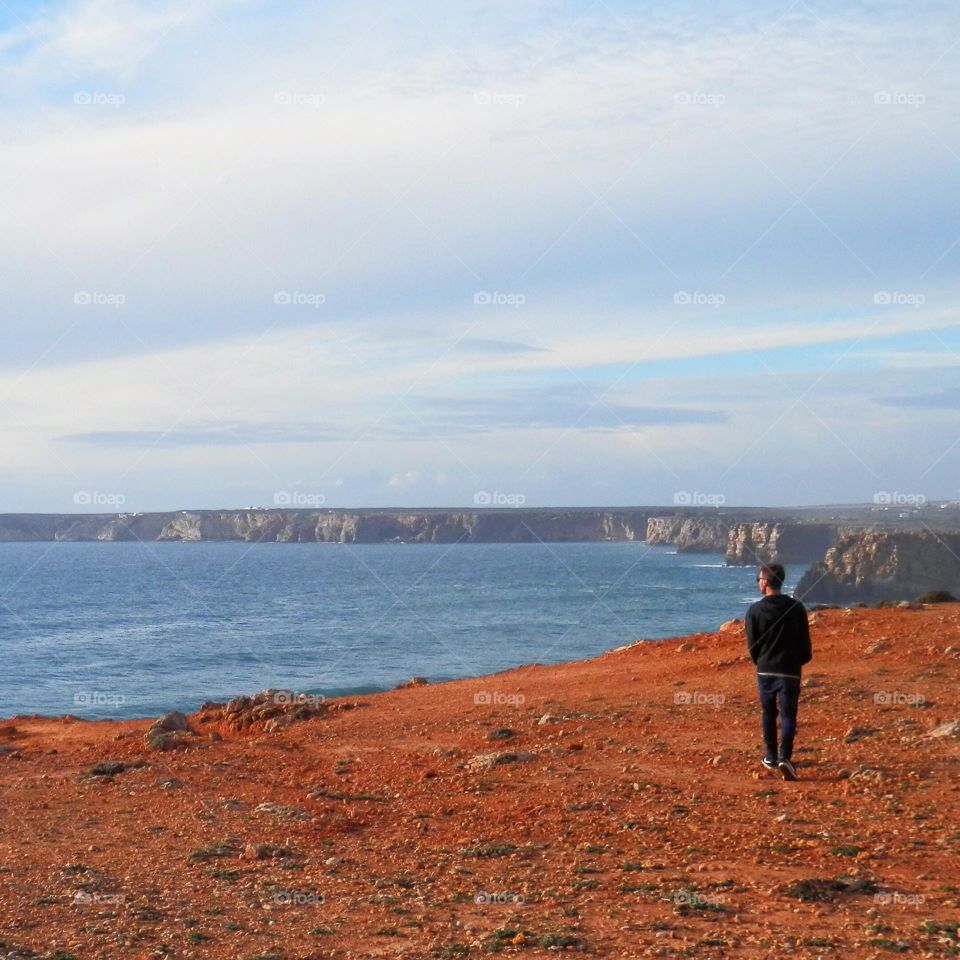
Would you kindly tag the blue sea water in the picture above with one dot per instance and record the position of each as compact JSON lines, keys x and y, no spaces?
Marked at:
{"x":136,"y":629}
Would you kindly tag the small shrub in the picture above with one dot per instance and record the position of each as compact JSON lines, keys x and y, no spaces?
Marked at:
{"x":936,"y":596}
{"x":885,"y":943}
{"x":489,"y":850}
{"x":846,"y":850}
{"x":213,"y":850}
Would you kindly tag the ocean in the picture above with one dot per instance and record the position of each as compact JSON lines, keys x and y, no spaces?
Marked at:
{"x":137,"y":629}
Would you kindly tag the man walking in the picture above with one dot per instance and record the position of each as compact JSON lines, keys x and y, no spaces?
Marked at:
{"x":778,"y":638}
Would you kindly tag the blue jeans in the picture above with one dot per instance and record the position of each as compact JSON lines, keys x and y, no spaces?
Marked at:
{"x":782,"y":693}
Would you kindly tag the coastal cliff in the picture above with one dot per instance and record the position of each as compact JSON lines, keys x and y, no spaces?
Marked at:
{"x":689,"y":534}
{"x":744,"y":541}
{"x":875,"y":565}
{"x":779,"y":542}
{"x":333,"y":526}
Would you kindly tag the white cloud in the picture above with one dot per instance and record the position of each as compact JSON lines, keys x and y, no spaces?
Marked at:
{"x":403,"y":480}
{"x":576,"y":161}
{"x":107,"y":37}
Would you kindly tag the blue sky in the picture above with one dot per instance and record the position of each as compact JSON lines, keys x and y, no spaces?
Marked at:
{"x":398,"y":254}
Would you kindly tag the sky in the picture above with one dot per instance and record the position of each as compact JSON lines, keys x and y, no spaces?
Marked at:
{"x":550,"y":254}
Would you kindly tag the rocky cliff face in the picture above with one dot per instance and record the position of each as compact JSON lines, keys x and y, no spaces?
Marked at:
{"x":334,"y":526}
{"x":690,"y":534}
{"x":874,"y":565}
{"x":779,"y":542}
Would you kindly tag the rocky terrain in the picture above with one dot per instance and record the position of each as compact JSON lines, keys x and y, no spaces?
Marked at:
{"x":796,"y":534}
{"x":612,"y":807}
{"x":779,"y":542}
{"x":334,"y":526}
{"x":879,"y":565}
{"x":690,"y":534}
{"x":745,"y":542}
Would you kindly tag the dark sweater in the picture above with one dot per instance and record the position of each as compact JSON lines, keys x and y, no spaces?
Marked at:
{"x":778,"y":635}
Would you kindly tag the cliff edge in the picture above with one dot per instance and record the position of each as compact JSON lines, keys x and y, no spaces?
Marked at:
{"x":614,"y":807}
{"x":875,"y":565}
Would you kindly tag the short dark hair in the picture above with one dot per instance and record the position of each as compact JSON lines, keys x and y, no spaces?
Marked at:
{"x":774,"y":574}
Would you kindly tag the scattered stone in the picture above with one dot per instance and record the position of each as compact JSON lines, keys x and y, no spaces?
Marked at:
{"x":162,"y":740}
{"x":811,"y":683}
{"x":501,"y":733}
{"x":170,"y":783}
{"x":275,"y":709}
{"x":548,"y":718}
{"x":412,"y":682}
{"x":950,"y":729}
{"x":169,"y":732}
{"x":687,"y":648}
{"x":858,"y":733}
{"x":728,"y":625}
{"x":868,"y":773}
{"x":487,"y":761}
{"x":214,"y":851}
{"x":322,"y":793}
{"x":173,"y":722}
{"x":110,"y":768}
{"x":238,"y":705}
{"x":278,"y":810}
{"x":819,"y":890}
{"x":264,"y":851}
{"x":276,"y":724}
{"x":909,"y":605}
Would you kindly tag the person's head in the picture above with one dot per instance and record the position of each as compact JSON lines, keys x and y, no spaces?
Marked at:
{"x":770,"y":578}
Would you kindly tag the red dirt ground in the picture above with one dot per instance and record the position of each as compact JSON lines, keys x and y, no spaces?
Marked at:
{"x":642,"y":825}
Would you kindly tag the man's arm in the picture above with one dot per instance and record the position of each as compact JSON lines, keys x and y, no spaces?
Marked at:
{"x":750,"y":628}
{"x":803,"y":634}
